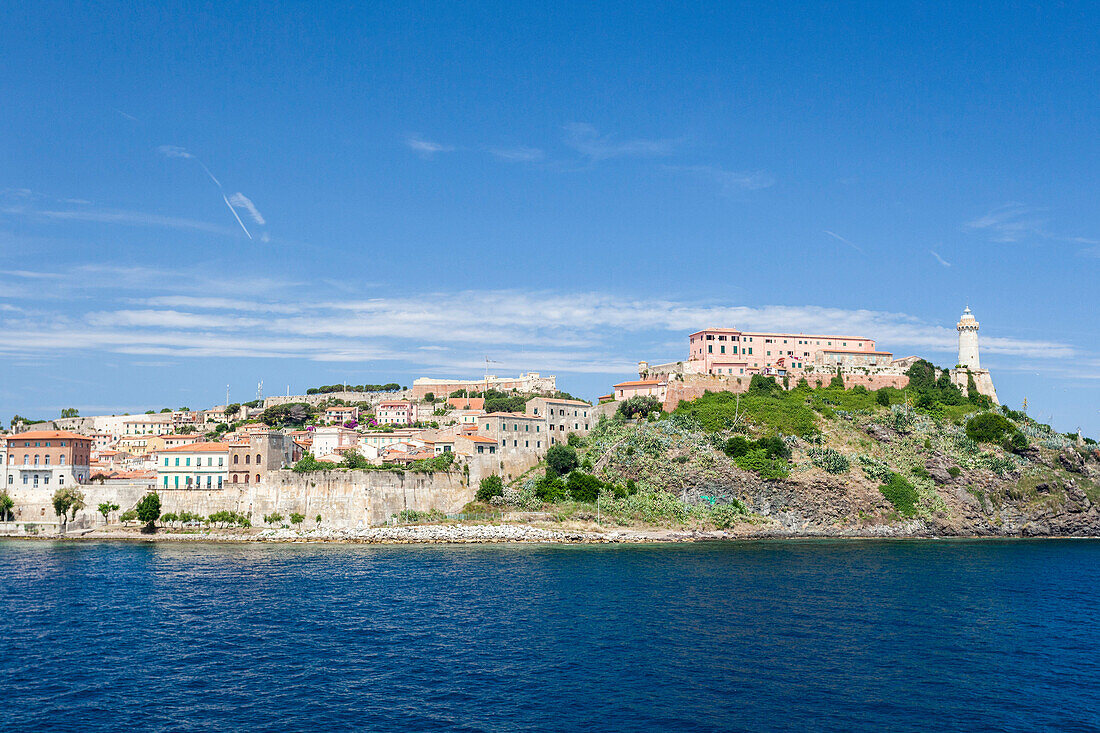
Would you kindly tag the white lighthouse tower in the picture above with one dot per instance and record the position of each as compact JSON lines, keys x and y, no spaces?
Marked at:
{"x":968,"y":341}
{"x":969,"y":370}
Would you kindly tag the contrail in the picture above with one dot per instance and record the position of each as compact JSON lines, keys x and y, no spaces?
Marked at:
{"x":176,"y":152}
{"x":235,"y":216}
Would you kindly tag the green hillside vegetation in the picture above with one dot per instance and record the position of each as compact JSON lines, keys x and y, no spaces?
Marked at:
{"x":891,"y":452}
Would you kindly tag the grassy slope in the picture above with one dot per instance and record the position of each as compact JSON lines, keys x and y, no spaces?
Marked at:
{"x":684,"y":478}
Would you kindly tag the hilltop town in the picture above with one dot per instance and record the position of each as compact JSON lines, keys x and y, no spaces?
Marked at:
{"x":352,"y":457}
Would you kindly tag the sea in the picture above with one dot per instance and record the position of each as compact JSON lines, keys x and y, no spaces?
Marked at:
{"x":918,"y":635}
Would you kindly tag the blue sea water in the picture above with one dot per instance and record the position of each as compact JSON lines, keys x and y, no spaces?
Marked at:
{"x":800,"y":635}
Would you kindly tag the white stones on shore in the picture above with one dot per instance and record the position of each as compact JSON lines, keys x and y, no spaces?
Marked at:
{"x":431,"y":533}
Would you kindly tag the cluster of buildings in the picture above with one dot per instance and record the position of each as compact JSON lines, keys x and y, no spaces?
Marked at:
{"x":181,"y":450}
{"x":175,"y":450}
{"x":732,"y":355}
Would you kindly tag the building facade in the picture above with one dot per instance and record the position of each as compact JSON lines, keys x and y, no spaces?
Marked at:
{"x":396,"y":412}
{"x":195,"y":466}
{"x":47,"y":459}
{"x":562,"y":416}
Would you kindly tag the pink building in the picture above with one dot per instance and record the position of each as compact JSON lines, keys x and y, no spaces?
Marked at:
{"x":655,"y":388}
{"x":731,"y":352}
{"x":396,"y":412}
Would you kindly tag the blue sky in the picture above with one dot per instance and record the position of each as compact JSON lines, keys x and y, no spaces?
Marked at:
{"x":304,"y":193}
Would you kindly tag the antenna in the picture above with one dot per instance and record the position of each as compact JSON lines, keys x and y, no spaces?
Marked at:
{"x":260,"y":391}
{"x":227,"y":394}
{"x":488,"y":361}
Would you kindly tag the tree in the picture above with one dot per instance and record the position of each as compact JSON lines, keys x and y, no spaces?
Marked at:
{"x":638,"y":406}
{"x":70,"y":412}
{"x":273,"y":518}
{"x":105,"y":509}
{"x":583,"y":486}
{"x":430,"y":397}
{"x":65,"y":501}
{"x":296,"y":518}
{"x":882,"y":397}
{"x":562,"y":459}
{"x":148,"y":511}
{"x":318,"y":520}
{"x":490,"y":486}
{"x":6,"y":505}
{"x":354,"y":460}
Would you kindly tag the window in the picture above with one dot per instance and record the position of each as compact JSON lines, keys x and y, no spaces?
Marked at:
{"x":246,"y":476}
{"x":236,"y":460}
{"x":177,"y":482}
{"x":247,"y":458}
{"x":166,"y":460}
{"x":257,"y":478}
{"x":221,"y":460}
{"x":234,"y":478}
{"x":36,"y":459}
{"x":177,"y":460}
{"x":61,"y":460}
{"x":166,"y":482}
{"x":24,"y":479}
{"x":257,"y":459}
{"x":47,"y":459}
{"x":188,"y":461}
{"x":219,"y":482}
{"x":710,"y":348}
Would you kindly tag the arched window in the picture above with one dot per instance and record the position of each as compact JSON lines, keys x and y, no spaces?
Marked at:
{"x":246,"y":478}
{"x":234,"y":478}
{"x":36,"y":459}
{"x":47,"y":459}
{"x":257,"y":459}
{"x":257,"y":478}
{"x":236,"y":459}
{"x":61,"y":460}
{"x":247,"y":458}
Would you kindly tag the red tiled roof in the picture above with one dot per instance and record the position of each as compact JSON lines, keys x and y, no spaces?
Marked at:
{"x":199,"y":448}
{"x":48,"y":435}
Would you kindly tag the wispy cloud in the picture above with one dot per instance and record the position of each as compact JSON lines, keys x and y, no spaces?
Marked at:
{"x":939,"y":259}
{"x":123,"y":217}
{"x":587,"y":140}
{"x":729,"y":181}
{"x":839,"y":238}
{"x":518,"y":154}
{"x":587,"y":332}
{"x":239,"y":199}
{"x":174,"y":151}
{"x":426,"y":149}
{"x":1009,"y":223}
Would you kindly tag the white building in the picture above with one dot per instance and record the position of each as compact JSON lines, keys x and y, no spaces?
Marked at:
{"x":328,"y":440}
{"x":396,"y":412}
{"x":195,"y":466}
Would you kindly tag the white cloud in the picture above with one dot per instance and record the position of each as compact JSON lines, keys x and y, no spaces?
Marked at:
{"x":239,"y":199}
{"x":126,"y":218}
{"x":1008,"y":223}
{"x":568,"y":332}
{"x":939,"y":259}
{"x":426,"y":148}
{"x":586,"y":140}
{"x":518,"y":154}
{"x":728,"y":180}
{"x":173,"y":151}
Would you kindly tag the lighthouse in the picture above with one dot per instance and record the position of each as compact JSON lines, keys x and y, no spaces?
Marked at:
{"x":968,"y":341}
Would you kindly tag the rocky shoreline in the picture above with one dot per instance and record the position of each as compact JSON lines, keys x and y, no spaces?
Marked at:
{"x":517,"y":533}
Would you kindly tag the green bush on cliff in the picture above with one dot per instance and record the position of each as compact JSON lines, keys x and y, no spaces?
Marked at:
{"x":829,"y":459}
{"x":489,"y":487}
{"x":757,"y":461}
{"x":902,"y":494}
{"x":309,"y":463}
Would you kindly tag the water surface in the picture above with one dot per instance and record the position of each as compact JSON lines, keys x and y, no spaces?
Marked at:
{"x":992,"y":635}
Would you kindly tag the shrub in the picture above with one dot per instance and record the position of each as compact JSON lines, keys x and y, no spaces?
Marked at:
{"x":551,"y":489}
{"x":902,"y":494}
{"x":828,"y":459}
{"x":354,"y":460}
{"x":875,"y":469}
{"x":638,"y":406}
{"x":758,"y":462}
{"x":726,"y":515}
{"x":882,"y":397}
{"x":273,"y":518}
{"x":772,"y":445}
{"x":988,"y":427}
{"x":309,"y":463}
{"x":562,"y":459}
{"x":297,"y":518}
{"x":127,"y":516}
{"x":583,"y":486}
{"x":490,"y":486}
{"x":954,"y":471}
